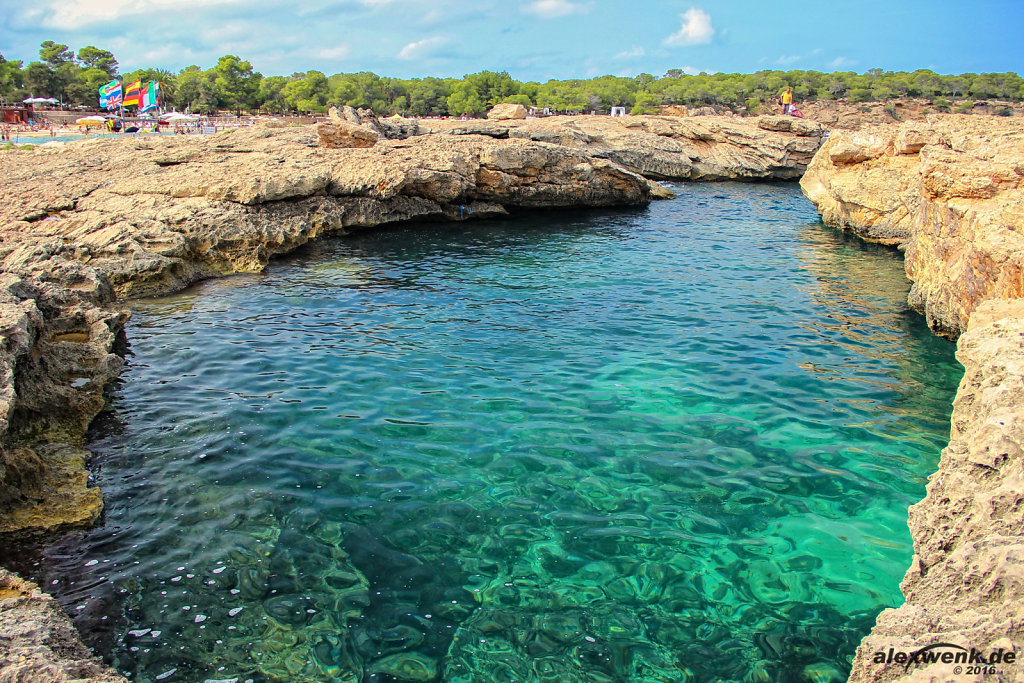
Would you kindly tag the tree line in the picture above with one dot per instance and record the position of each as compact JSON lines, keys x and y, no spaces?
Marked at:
{"x":233,"y":85}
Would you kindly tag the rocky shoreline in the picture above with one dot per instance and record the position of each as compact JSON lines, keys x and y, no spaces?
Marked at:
{"x":949,"y":193}
{"x":84,"y":226}
{"x":89,"y":224}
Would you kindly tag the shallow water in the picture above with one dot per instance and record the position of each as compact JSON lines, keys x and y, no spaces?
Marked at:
{"x":667,"y":444}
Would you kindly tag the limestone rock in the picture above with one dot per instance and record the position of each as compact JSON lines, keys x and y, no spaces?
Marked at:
{"x":350,"y":114}
{"x":507,"y":110}
{"x":948,"y":193}
{"x":667,"y":147}
{"x":344,"y":134}
{"x":39,"y":643}
{"x":790,"y":124}
{"x":854,"y":148}
{"x":966,"y":582}
{"x":704,"y":111}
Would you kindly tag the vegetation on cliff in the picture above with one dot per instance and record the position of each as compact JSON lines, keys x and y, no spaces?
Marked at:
{"x":233,"y":84}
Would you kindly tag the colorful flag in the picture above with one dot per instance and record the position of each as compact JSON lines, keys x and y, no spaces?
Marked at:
{"x":150,"y":97}
{"x":133,"y":94}
{"x":110,"y":94}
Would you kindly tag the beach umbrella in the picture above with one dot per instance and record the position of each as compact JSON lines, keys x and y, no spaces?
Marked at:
{"x":90,"y":121}
{"x":34,"y":100}
{"x":178,"y":117}
{"x":51,"y":100}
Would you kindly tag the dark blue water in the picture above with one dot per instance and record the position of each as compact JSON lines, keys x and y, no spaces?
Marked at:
{"x":667,"y":444}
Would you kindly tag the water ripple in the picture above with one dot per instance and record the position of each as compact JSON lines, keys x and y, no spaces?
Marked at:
{"x":675,"y":443}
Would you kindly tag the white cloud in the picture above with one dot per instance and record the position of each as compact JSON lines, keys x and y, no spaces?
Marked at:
{"x":338,"y":52}
{"x":72,"y":14}
{"x":840,"y":62}
{"x":788,"y":59}
{"x":419,"y":48}
{"x":696,"y":29}
{"x":691,"y":70}
{"x":549,"y":9}
{"x":630,"y":54}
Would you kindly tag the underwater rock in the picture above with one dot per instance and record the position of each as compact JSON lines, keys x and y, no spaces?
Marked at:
{"x":406,"y":666}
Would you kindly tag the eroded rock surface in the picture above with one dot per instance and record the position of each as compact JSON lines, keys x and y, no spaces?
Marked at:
{"x":668,"y":147}
{"x":948,"y":192}
{"x":39,"y":644}
{"x":965,"y":585}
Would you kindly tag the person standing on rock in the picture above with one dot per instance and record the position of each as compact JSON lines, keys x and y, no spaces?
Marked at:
{"x":787,"y":101}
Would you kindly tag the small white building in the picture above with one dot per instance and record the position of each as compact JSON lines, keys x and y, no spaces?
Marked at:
{"x":618,"y":111}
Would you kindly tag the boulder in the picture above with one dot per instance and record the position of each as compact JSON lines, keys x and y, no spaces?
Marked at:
{"x":338,"y":133}
{"x":790,"y":124}
{"x":506,"y":111}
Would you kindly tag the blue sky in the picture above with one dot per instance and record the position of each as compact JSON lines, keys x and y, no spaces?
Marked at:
{"x":531,"y":39}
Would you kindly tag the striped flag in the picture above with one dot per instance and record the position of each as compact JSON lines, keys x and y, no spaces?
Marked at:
{"x":133,"y":94}
{"x":110,"y":94}
{"x":150,"y":97}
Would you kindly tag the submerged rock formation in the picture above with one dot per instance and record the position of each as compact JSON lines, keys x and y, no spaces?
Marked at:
{"x":948,"y":193}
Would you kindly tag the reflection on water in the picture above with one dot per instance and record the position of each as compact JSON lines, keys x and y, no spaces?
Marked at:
{"x":661,"y":445}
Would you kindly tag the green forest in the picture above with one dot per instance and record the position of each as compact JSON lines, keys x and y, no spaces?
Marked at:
{"x":233,"y":85}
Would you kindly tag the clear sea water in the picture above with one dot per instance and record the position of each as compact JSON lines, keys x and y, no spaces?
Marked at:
{"x":675,"y":443}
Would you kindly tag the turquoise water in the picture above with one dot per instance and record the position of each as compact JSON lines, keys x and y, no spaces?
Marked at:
{"x":667,"y":444}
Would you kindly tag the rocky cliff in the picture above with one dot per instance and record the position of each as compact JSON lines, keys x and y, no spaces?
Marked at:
{"x":949,"y":193}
